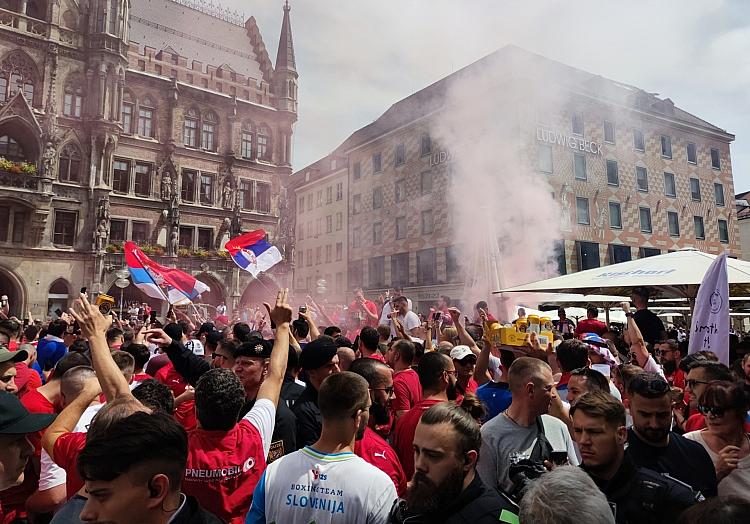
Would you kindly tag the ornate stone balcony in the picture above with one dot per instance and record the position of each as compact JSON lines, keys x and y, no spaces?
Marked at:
{"x":9,"y":179}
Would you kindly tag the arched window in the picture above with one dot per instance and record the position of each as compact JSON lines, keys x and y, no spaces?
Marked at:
{"x":73,"y":100}
{"x":208,"y":131}
{"x":264,"y":142}
{"x":11,"y":149}
{"x":246,"y":144}
{"x":19,"y":74}
{"x":190,"y":128}
{"x":146,"y":118}
{"x":127,"y":113}
{"x":70,"y":164}
{"x":37,"y":9}
{"x":113,"y":17}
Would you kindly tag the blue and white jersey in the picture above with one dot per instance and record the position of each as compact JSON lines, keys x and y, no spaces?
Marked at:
{"x":309,"y":486}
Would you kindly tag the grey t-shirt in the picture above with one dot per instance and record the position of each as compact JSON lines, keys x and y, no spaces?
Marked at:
{"x":502,"y":437}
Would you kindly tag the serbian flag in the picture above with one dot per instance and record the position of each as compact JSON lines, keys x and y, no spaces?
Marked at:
{"x":252,"y":252}
{"x":164,"y":283}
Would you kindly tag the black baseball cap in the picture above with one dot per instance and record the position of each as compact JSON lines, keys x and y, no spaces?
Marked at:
{"x":16,"y":356}
{"x":15,"y":419}
{"x":318,"y":353}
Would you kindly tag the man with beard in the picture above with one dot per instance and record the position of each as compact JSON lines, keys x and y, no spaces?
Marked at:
{"x":652,"y":445}
{"x":437,"y":375}
{"x":670,"y":363}
{"x":371,"y":446}
{"x":636,"y":494}
{"x":524,"y":430}
{"x":327,"y":482}
{"x":445,"y":487}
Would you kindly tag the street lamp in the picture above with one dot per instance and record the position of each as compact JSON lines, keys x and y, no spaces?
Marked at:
{"x":122,"y":282}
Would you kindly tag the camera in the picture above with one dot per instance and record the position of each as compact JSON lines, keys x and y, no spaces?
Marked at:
{"x":105,"y":303}
{"x":303,"y":309}
{"x":521,"y":473}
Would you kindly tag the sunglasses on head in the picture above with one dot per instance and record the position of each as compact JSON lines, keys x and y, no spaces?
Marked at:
{"x":713,"y":411}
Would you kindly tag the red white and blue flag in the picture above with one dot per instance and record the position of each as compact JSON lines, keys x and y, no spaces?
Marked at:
{"x":157,"y":281}
{"x":252,"y":252}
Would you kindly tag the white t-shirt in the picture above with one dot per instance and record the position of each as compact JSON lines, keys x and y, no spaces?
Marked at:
{"x":196,"y":346}
{"x":52,"y":475}
{"x":409,"y":321}
{"x":387,"y":309}
{"x":737,"y":483}
{"x":308,"y":486}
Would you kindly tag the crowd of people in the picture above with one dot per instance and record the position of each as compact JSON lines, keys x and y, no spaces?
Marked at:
{"x":366,"y":414}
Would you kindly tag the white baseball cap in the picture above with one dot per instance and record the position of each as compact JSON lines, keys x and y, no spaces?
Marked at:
{"x":461,"y":352}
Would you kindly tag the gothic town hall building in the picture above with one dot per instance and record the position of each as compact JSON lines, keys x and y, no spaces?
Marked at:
{"x":158,"y":121}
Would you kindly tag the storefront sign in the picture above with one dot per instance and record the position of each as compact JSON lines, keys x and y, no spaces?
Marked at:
{"x":573,"y":142}
{"x":441,"y":157}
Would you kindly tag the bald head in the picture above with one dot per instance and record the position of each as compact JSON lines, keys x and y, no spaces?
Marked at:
{"x":525,"y":370}
{"x":73,"y":382}
{"x":346,"y":357}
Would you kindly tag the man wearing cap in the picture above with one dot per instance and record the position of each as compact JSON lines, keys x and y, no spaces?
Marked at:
{"x":591,"y":324}
{"x":8,"y":360}
{"x":464,"y":361}
{"x":651,"y":326}
{"x":15,"y":449}
{"x":319,"y":359}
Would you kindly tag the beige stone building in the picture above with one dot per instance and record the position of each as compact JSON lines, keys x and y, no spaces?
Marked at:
{"x":634,"y":175}
{"x":322,"y":226}
{"x":158,"y":121}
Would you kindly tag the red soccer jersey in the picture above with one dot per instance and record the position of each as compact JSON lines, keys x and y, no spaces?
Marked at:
{"x":223,"y":468}
{"x":65,"y":453}
{"x":35,"y":402}
{"x":377,"y":356}
{"x":591,"y":325}
{"x":376,"y":451}
{"x":407,"y":389}
{"x":403,"y":435}
{"x":185,"y":412}
{"x":371,"y":307}
{"x":140,"y":377}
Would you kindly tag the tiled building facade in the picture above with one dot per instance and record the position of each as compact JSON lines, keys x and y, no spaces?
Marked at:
{"x":137,"y":128}
{"x":634,"y":176}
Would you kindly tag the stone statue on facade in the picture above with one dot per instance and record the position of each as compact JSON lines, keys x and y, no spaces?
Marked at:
{"x":174,"y":241}
{"x":236,"y":226}
{"x":166,"y":186}
{"x":49,"y":159}
{"x":565,"y":204}
{"x":100,"y":236}
{"x":102,"y":212}
{"x":226,"y":194}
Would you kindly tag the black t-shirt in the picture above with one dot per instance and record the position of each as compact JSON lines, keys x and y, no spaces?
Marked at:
{"x":650,"y":325}
{"x":683,"y":459}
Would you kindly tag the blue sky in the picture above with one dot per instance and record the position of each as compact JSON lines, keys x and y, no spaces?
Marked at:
{"x":356,"y":58}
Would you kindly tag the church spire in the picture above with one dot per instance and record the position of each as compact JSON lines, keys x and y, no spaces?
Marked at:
{"x":285,"y":54}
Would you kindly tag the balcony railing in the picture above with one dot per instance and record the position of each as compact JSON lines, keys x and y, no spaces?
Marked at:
{"x":23,"y":23}
{"x":116,"y":261}
{"x":19,"y":180}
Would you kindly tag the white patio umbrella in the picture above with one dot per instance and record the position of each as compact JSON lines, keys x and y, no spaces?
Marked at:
{"x":672,"y":275}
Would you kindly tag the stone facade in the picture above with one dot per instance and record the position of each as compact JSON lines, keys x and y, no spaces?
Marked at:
{"x":126,"y":132}
{"x":400,"y":225}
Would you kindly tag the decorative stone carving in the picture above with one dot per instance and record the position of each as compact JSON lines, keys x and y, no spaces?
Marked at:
{"x":166,"y":185}
{"x":226,"y":193}
{"x":49,"y":160}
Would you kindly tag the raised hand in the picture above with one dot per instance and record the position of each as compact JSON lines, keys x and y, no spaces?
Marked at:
{"x":158,"y":337}
{"x":282,"y":311}
{"x":455,"y":314}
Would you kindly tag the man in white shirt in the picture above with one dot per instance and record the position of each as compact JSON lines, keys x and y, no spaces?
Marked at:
{"x":385,"y":315}
{"x":326,"y":482}
{"x":408,"y":318}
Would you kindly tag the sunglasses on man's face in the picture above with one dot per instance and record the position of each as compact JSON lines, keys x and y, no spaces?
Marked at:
{"x":713,"y":411}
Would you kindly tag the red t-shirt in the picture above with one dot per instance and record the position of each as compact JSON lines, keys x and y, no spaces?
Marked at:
{"x":376,"y":451}
{"x":378,"y":356}
{"x":65,"y":454}
{"x":223,"y":468}
{"x":356,"y":307}
{"x":677,"y":379}
{"x":471,"y":387}
{"x":407,"y":389}
{"x":140,"y":377}
{"x":591,"y":325}
{"x":35,"y":402}
{"x":185,"y":412}
{"x":403,"y":435}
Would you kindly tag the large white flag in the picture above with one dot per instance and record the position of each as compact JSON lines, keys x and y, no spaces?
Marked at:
{"x":709,"y":329}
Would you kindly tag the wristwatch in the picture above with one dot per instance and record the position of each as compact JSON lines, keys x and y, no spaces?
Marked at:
{"x":628,"y":314}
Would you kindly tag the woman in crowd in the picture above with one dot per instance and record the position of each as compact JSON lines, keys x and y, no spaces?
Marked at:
{"x":724,"y":405}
